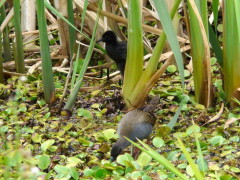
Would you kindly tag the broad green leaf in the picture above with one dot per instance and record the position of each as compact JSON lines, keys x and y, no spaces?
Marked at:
{"x":45,"y":145}
{"x":44,"y":162}
{"x":63,"y":170}
{"x":74,"y":173}
{"x":171,"y":68}
{"x":109,"y":134}
{"x":85,"y":113}
{"x":88,"y":172}
{"x":193,"y":129}
{"x":144,"y":159}
{"x":73,"y":161}
{"x":68,"y":126}
{"x":158,"y":142}
{"x":36,"y":138}
{"x":217,"y":140}
{"x":100,"y":173}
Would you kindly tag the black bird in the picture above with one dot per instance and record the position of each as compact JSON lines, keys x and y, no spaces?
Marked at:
{"x":116,"y":50}
{"x":135,"y":124}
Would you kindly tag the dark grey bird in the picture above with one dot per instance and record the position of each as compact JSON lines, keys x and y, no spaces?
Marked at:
{"x":116,"y":50}
{"x":136,"y":124}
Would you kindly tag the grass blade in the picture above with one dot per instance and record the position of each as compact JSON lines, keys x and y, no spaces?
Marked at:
{"x":194,"y":167}
{"x":72,"y":31}
{"x":200,"y":55}
{"x":84,"y":12}
{"x":161,"y":159}
{"x":2,"y":2}
{"x":1,"y":59}
{"x":237,"y":11}
{"x":168,"y":28}
{"x":215,"y":5}
{"x":53,"y":10}
{"x":72,"y":98}
{"x":76,"y":66}
{"x":173,"y":121}
{"x":215,"y":45}
{"x":48,"y":82}
{"x":202,"y":162}
{"x":231,"y":53}
{"x":19,"y":42}
{"x":6,"y":39}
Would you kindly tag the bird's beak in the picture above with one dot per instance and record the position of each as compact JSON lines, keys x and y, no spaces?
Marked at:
{"x":100,"y":40}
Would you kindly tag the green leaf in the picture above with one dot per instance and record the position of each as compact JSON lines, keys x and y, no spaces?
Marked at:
{"x":217,"y":140}
{"x":45,"y":145}
{"x":36,"y":138}
{"x":74,"y":173}
{"x":85,"y":113}
{"x":144,"y":159}
{"x":134,"y":63}
{"x":41,"y":103}
{"x":100,"y":173}
{"x":2,"y":2}
{"x":189,"y":171}
{"x":96,"y":92}
{"x":88,"y":172}
{"x":227,"y":177}
{"x":125,"y":160}
{"x":171,"y":68}
{"x":109,"y":134}
{"x":44,"y":162}
{"x":168,"y":28}
{"x":70,"y":102}
{"x":62,"y":170}
{"x":95,"y":106}
{"x":136,"y":174}
{"x":202,"y":164}
{"x":13,"y":158}
{"x":68,"y":126}
{"x":193,"y":168}
{"x":4,"y":129}
{"x":215,"y":4}
{"x":173,"y":121}
{"x":146,"y":177}
{"x":186,"y":73}
{"x":193,"y":129}
{"x":47,"y":75}
{"x":22,"y":108}
{"x":73,"y":161}
{"x":158,"y":142}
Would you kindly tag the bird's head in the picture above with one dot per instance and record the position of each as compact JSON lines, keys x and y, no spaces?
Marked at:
{"x":108,"y":37}
{"x":116,"y":150}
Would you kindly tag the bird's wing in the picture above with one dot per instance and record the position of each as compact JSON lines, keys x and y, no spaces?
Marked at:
{"x":141,"y":131}
{"x":122,"y":50}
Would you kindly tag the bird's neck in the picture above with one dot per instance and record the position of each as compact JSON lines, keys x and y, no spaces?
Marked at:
{"x":122,"y":142}
{"x":112,"y":42}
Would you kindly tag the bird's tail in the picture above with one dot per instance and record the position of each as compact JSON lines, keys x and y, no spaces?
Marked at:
{"x":152,"y":104}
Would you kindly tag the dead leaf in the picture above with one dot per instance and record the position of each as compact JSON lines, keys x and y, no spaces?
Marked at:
{"x":217,"y":116}
{"x":230,"y":121}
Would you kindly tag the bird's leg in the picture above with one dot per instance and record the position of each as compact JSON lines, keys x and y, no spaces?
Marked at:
{"x":132,"y":150}
{"x":136,"y":153}
{"x":108,"y":78}
{"x":101,"y":73}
